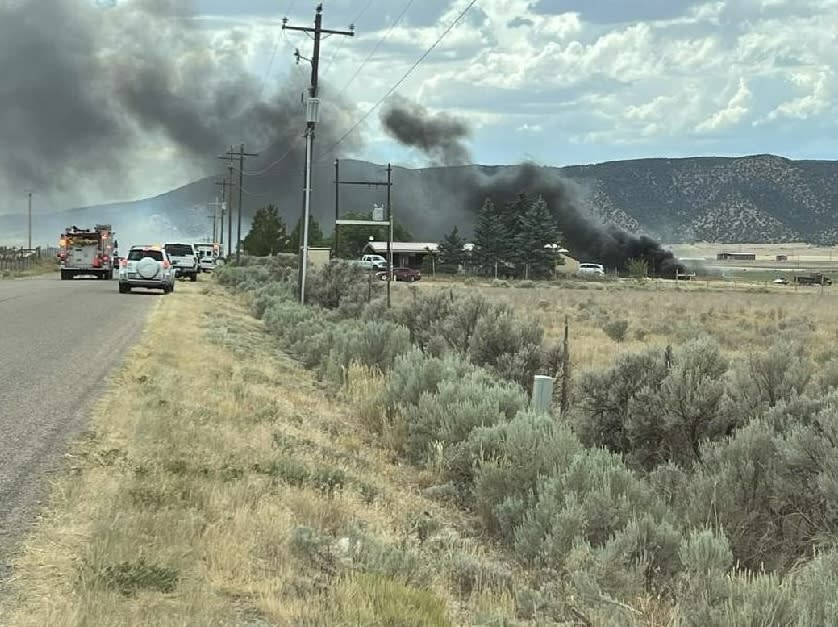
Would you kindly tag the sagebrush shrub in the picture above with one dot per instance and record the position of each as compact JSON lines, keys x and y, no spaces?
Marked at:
{"x":340,"y":284}
{"x":423,"y":317}
{"x":739,"y":480}
{"x":509,"y":346}
{"x":269,"y":295}
{"x":456,"y":408}
{"x":616,"y":329}
{"x":415,"y":373}
{"x":645,"y":546}
{"x":765,"y":378}
{"x":371,"y":343}
{"x":508,"y":460}
{"x":605,"y":397}
{"x":814,"y":587}
{"x":654,"y":410}
{"x":591,"y":499}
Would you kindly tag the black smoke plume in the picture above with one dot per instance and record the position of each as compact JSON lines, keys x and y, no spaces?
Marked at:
{"x":91,"y":91}
{"x":439,"y":136}
{"x":587,"y":240}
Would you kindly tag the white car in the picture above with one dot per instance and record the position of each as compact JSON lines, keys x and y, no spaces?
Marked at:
{"x":591,"y":270}
{"x":148,"y":267}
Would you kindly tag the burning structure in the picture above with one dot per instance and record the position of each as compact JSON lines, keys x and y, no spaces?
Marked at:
{"x":441,"y":137}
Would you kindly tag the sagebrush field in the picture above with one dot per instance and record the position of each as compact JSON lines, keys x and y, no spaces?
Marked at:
{"x":690,"y":479}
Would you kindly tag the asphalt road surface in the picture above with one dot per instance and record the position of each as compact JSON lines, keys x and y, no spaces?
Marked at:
{"x":59,"y":343}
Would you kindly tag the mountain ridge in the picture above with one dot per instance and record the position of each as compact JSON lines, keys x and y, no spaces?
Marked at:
{"x":758,"y":198}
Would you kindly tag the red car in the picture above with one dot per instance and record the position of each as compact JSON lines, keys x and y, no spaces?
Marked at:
{"x":402,"y":274}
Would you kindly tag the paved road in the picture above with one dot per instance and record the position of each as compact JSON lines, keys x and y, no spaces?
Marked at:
{"x":59,"y":341}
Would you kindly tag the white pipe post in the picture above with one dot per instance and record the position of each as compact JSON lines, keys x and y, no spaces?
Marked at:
{"x":542,"y":394}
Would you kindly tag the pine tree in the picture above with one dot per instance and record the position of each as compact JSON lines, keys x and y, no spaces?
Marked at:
{"x":491,"y":239}
{"x":536,"y":235}
{"x":315,"y":235}
{"x":452,"y":252}
{"x":267,"y":233}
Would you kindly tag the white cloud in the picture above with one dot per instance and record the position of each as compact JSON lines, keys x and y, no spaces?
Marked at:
{"x":816,"y":101}
{"x":733,"y":113}
{"x":704,"y":77}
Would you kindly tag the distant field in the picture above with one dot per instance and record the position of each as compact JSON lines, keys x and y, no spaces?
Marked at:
{"x":764,"y":252}
{"x":739,"y":314}
{"x":801,"y":258}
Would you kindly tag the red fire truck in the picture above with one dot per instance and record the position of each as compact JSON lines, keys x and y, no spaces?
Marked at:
{"x":87,"y":252}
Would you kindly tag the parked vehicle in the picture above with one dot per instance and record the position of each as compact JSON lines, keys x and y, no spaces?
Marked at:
{"x":591,"y":270}
{"x":816,"y":278}
{"x":376,"y":262}
{"x":184,"y":260}
{"x":148,"y":267}
{"x":207,"y":256}
{"x":86,"y":252}
{"x":402,"y":274}
{"x":780,"y":281}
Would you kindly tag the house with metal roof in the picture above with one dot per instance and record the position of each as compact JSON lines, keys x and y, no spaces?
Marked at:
{"x":405,"y":254}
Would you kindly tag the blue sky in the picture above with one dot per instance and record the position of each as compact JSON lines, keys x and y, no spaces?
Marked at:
{"x":578,"y":81}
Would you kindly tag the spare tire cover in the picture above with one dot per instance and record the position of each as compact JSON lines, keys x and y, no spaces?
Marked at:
{"x":147,"y":267}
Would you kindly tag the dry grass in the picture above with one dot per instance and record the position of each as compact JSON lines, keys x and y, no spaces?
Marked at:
{"x":219,"y":485}
{"x":40,"y":266}
{"x":742,"y":318}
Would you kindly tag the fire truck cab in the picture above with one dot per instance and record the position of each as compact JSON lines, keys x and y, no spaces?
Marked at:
{"x":87,"y":252}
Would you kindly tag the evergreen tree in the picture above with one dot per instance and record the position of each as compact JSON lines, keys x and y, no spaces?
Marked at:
{"x":315,"y":235}
{"x":267,"y":233}
{"x":452,"y":252}
{"x":491,"y":239}
{"x":537,"y":232}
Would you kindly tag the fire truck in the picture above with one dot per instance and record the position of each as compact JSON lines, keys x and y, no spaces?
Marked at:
{"x":87,"y":252}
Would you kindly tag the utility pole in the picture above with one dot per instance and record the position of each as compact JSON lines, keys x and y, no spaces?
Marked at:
{"x":337,"y":201}
{"x":311,"y":121}
{"x":30,"y":220}
{"x":218,"y":204}
{"x":223,"y":184}
{"x":242,"y":155}
{"x":390,"y":237}
{"x":229,"y":157}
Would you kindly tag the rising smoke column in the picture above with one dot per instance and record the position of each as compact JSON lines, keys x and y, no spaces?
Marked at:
{"x":439,"y":136}
{"x":93,"y":89}
{"x":586,"y":239}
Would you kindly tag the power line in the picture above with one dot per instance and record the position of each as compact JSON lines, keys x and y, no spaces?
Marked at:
{"x":376,"y":47}
{"x":270,"y":166}
{"x":339,"y":45}
{"x":400,"y":81}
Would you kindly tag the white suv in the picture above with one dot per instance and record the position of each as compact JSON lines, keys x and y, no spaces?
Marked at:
{"x":148,"y":267}
{"x":591,"y":270}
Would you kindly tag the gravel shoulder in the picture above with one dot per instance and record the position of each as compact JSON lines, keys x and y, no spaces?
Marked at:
{"x":59,"y":343}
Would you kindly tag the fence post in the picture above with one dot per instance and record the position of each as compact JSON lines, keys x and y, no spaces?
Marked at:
{"x":542,"y":393}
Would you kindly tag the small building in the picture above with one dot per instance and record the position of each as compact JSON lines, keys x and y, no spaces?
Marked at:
{"x":405,"y":254}
{"x":318,"y":257}
{"x":726,"y":256}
